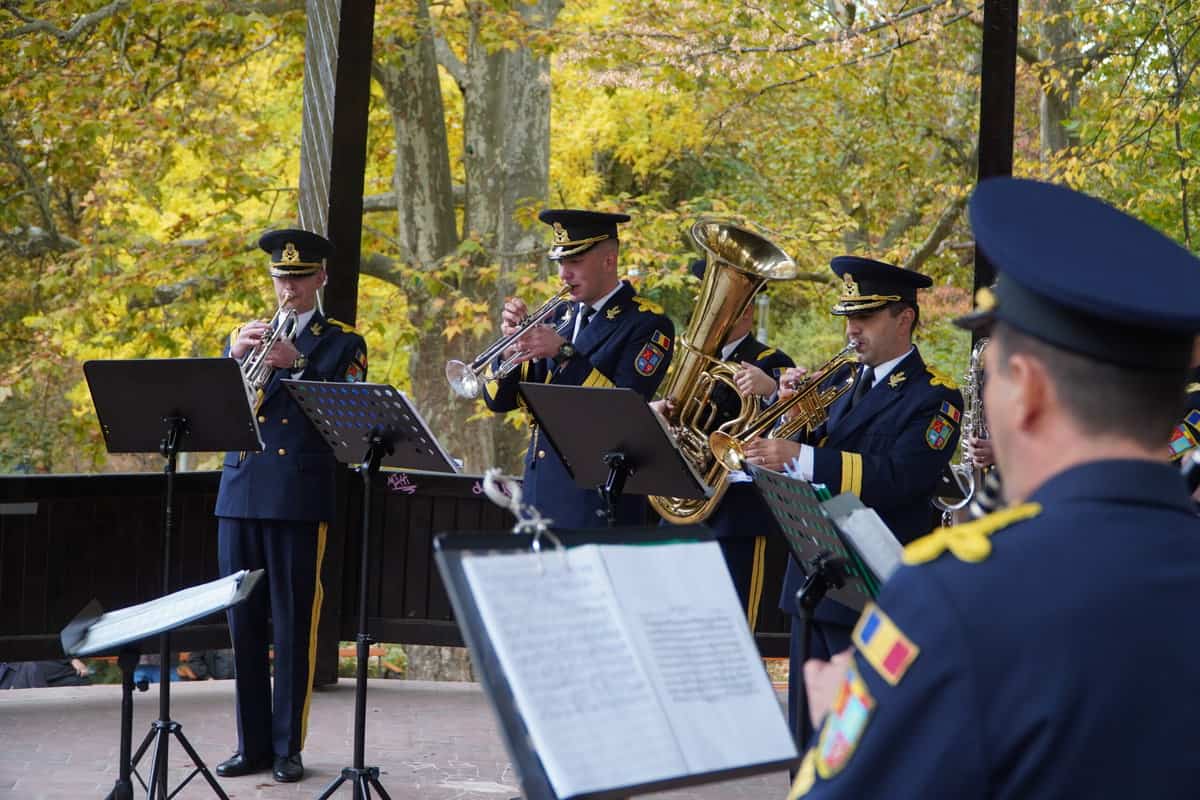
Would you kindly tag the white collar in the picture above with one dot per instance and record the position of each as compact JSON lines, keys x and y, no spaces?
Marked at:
{"x":599,"y":304}
{"x":728,"y":348}
{"x":884,"y":369}
{"x":302,"y":320}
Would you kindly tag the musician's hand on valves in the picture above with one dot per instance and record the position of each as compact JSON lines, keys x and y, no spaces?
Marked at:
{"x":980,"y":452}
{"x":822,"y":682}
{"x":283,"y":354}
{"x":771,"y":453}
{"x":753,"y":381}
{"x":542,"y":341}
{"x":514,"y":312}
{"x":248,"y":338}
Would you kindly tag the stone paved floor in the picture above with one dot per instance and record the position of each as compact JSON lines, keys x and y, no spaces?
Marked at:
{"x":432,"y":741}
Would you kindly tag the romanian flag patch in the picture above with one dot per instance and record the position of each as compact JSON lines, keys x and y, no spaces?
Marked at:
{"x":938,"y":434}
{"x":648,"y":359}
{"x":844,"y":725}
{"x":661,"y":339}
{"x":883,"y":645}
{"x":1182,"y":440}
{"x":950,"y":411}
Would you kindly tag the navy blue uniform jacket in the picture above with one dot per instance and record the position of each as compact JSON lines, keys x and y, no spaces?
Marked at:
{"x":1046,"y":651}
{"x":628,"y":343}
{"x":292,"y":479}
{"x":742,"y":512}
{"x":889,"y":450}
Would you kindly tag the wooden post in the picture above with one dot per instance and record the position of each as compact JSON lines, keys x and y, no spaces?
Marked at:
{"x":997,"y":103}
{"x":333,"y":153}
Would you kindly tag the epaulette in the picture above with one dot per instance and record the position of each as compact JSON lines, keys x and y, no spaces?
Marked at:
{"x":765,"y":353}
{"x":970,"y":541}
{"x":339,"y":324}
{"x":939,"y":378}
{"x":648,"y":305}
{"x":1193,"y":387}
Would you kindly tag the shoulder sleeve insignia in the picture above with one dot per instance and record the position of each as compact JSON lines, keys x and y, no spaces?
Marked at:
{"x":765,"y":354}
{"x":844,"y":725}
{"x":884,"y":646}
{"x":939,"y":378}
{"x":339,"y":324}
{"x":1182,"y":439}
{"x":896,"y":378}
{"x":939,"y":432}
{"x":661,"y":339}
{"x":948,"y":409}
{"x":612,"y":313}
{"x":648,"y":305}
{"x":648,"y":359}
{"x":969,"y":542}
{"x":357,"y":371}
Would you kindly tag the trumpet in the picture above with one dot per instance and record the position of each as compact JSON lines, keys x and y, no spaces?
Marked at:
{"x":808,"y":408}
{"x":255,"y":368}
{"x":467,"y":379}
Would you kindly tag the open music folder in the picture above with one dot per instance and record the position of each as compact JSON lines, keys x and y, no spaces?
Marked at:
{"x":617,"y":669}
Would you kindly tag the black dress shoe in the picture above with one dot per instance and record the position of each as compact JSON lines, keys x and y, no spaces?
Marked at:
{"x":237,"y":765}
{"x":288,"y":769}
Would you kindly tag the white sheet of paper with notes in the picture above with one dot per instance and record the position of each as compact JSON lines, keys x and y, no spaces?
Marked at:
{"x":629,"y":664}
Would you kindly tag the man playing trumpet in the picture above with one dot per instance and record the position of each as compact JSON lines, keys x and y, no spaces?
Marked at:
{"x":605,"y":335}
{"x":887,"y":439}
{"x":273,"y":508}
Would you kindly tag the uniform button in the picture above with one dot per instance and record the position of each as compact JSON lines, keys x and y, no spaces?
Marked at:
{"x":262,"y":418}
{"x":284,"y":420}
{"x":541,"y":453}
{"x":282,"y":452}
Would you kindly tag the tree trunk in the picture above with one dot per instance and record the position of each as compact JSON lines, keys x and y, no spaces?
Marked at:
{"x":1059,"y":46}
{"x":506,"y":136}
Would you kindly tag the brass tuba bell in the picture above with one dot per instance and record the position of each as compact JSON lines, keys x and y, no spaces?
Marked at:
{"x":739,"y":263}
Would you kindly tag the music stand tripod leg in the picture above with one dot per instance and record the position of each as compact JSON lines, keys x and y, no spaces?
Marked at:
{"x":360,"y":776}
{"x":123,"y":790}
{"x":164,"y":727}
{"x":824,"y":573}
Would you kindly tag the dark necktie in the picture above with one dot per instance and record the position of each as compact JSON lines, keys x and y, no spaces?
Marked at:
{"x":863,"y":386}
{"x":588,"y":312}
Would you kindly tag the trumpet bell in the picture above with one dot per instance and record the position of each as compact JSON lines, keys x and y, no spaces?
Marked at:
{"x":727,"y":450}
{"x":463,"y":380}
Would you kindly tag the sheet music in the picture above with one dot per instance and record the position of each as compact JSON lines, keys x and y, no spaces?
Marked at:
{"x":154,"y":616}
{"x":630,"y":664}
{"x":684,"y":613}
{"x":592,"y":715}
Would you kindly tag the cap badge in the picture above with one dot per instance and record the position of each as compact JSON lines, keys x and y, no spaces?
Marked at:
{"x":290,"y":254}
{"x":985,"y":299}
{"x":560,"y":234}
{"x":851,"y":286}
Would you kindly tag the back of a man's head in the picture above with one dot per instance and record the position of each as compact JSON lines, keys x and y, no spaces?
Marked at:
{"x":1102,"y":399}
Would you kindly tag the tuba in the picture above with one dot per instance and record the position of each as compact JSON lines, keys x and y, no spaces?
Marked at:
{"x":739,"y":263}
{"x":979,"y":487}
{"x":805,"y":410}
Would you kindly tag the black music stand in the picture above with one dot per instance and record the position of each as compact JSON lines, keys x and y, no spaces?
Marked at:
{"x":94,"y":631}
{"x":623,"y":447}
{"x":832,"y":567}
{"x":171,"y":406}
{"x":449,"y":552}
{"x":368,"y":425}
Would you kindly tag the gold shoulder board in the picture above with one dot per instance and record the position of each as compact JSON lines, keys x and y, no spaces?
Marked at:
{"x":970,"y":541}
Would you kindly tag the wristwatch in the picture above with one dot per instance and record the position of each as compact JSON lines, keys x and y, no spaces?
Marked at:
{"x":300,"y":363}
{"x":566,"y":350}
